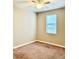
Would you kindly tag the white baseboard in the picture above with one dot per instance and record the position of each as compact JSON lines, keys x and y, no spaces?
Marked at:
{"x":51,"y":43}
{"x":38,"y":41}
{"x":23,"y":44}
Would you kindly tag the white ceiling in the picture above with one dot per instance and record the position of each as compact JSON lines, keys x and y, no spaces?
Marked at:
{"x":54,"y":5}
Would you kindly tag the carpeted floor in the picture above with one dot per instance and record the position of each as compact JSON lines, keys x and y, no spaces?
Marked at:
{"x":38,"y":50}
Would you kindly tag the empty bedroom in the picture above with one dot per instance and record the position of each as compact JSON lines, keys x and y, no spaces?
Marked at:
{"x":38,"y":29}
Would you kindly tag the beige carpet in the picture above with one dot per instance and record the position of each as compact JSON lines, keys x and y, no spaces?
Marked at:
{"x":38,"y":50}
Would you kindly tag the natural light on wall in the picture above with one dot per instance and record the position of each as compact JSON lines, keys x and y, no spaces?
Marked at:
{"x":51,"y":24}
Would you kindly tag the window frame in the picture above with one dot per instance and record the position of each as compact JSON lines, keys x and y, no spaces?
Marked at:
{"x":56,"y":24}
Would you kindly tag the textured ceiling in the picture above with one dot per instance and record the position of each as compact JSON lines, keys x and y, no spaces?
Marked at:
{"x":54,"y":5}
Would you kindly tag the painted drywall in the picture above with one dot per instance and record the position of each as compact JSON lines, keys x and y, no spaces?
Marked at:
{"x":59,"y":38}
{"x":24,"y":26}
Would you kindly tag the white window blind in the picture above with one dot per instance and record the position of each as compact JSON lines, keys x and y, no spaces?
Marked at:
{"x":51,"y":24}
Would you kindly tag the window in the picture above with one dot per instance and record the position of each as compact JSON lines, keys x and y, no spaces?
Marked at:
{"x":51,"y":24}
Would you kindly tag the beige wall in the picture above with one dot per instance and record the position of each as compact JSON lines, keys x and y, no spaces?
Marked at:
{"x":59,"y":38}
{"x":24,"y":26}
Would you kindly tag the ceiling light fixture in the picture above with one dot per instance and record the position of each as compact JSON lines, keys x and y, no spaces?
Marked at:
{"x":37,"y":3}
{"x":40,"y":3}
{"x":39,"y":6}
